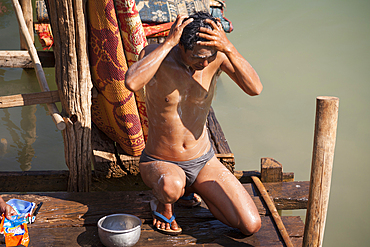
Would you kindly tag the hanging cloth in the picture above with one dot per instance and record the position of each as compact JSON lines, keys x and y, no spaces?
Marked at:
{"x":114,"y":110}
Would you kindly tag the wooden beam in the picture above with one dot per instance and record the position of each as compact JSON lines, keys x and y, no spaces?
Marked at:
{"x":29,"y":99}
{"x":245,"y":176}
{"x":22,"y":59}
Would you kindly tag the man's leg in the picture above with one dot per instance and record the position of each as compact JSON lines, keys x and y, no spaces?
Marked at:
{"x":167,"y":182}
{"x":226,"y":198}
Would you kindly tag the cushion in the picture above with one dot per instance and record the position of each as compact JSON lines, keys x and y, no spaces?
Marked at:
{"x":161,"y":11}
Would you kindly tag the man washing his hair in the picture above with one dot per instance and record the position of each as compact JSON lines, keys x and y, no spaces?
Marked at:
{"x":180,"y":84}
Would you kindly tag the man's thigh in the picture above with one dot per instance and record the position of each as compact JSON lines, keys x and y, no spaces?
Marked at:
{"x":223,"y":193}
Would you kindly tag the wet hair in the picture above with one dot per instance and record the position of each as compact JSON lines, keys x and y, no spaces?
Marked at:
{"x":189,"y":36}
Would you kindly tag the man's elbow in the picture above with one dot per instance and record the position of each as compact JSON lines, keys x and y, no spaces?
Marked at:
{"x":130,"y":87}
{"x":256,"y":91}
{"x":129,"y":84}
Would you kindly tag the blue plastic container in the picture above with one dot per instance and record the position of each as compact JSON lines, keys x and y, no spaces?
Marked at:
{"x":23,"y":207}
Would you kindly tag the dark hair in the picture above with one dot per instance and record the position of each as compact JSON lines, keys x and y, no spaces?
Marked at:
{"x":189,"y":35}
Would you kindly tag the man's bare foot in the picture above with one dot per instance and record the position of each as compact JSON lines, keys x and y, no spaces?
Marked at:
{"x":163,"y":218}
{"x":189,"y":200}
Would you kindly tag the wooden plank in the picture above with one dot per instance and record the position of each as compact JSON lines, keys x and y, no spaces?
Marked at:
{"x":84,"y":209}
{"x":218,"y":139}
{"x":211,"y":233}
{"x":31,"y":181}
{"x":245,"y":176}
{"x":289,"y":195}
{"x":217,"y":134}
{"x":69,"y":219}
{"x":286,"y":195}
{"x":29,"y":99}
{"x":22,"y":59}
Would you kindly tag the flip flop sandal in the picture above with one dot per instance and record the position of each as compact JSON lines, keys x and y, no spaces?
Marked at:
{"x":153,"y":206}
{"x":195,"y":198}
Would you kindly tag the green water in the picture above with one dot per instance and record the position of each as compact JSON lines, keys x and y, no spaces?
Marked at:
{"x":301,"y":50}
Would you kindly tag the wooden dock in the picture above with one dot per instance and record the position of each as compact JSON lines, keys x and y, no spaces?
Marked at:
{"x":70,"y":218}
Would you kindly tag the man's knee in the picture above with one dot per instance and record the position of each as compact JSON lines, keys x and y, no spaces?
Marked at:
{"x":251,"y":227}
{"x":171,"y":187}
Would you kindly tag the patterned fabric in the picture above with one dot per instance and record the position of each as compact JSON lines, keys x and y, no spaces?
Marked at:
{"x":217,"y":10}
{"x":160,"y":30}
{"x":41,"y":11}
{"x":134,"y":41}
{"x":114,"y":111}
{"x":161,"y":11}
{"x":45,"y":36}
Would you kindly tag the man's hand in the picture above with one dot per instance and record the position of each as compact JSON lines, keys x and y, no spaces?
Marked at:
{"x":7,"y":210}
{"x":217,"y":37}
{"x":177,"y":28}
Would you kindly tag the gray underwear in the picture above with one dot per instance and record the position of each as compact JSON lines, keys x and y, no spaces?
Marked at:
{"x":190,"y":167}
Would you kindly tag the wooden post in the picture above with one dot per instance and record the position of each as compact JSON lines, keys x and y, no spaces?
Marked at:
{"x":72,"y":72}
{"x":271,"y":170}
{"x":53,"y":110}
{"x":321,"y":169}
{"x":26,"y":6}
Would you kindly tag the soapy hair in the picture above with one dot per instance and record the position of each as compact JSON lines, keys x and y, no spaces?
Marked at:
{"x":189,"y":36}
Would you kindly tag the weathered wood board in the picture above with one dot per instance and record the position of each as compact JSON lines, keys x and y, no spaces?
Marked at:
{"x":69,"y":219}
{"x":46,"y":97}
{"x":289,"y":195}
{"x":286,"y":195}
{"x":22,"y":59}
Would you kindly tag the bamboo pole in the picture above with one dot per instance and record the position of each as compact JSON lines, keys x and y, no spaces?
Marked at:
{"x":321,"y":169}
{"x":26,"y":6}
{"x":57,"y":118}
{"x":275,"y":215}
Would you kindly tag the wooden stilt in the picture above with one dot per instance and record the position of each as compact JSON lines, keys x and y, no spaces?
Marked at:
{"x":58,"y":120}
{"x":321,"y":169}
{"x":72,"y":74}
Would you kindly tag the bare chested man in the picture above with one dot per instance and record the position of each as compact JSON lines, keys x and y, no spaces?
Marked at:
{"x":178,"y":76}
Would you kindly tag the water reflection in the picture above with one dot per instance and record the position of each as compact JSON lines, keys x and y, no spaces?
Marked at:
{"x":23,"y":137}
{"x":21,"y":129}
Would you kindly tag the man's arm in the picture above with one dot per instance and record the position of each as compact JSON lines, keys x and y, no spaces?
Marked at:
{"x":233,"y":62}
{"x":141,"y":72}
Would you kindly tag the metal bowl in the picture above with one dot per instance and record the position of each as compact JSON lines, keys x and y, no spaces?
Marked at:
{"x":119,"y":230}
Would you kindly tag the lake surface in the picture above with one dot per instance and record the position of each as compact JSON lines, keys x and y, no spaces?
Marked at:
{"x":301,"y":50}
